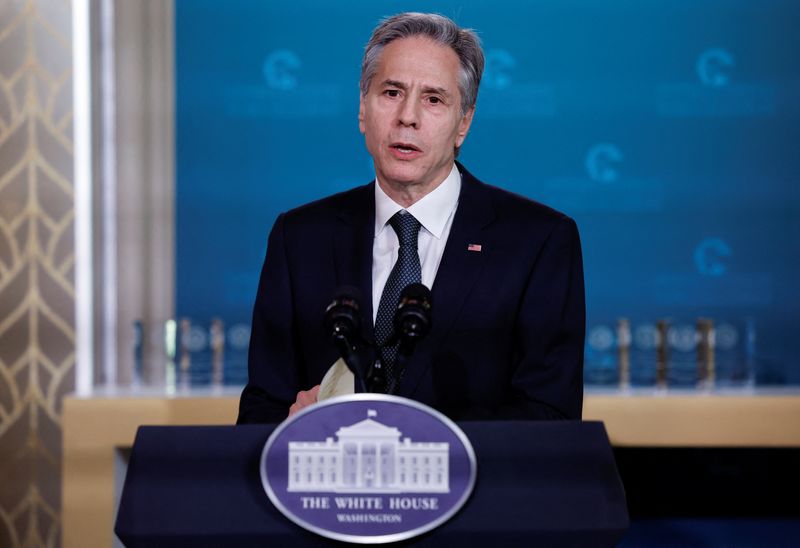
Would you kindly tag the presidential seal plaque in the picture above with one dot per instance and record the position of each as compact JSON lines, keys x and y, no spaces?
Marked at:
{"x":368,"y":468}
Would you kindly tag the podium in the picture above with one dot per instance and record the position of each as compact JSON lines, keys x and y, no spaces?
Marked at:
{"x":538,"y":483}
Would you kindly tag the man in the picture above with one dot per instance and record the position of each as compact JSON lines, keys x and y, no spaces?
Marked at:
{"x":505,"y":272}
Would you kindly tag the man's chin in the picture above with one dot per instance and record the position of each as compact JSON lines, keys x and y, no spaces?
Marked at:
{"x":407,"y":176}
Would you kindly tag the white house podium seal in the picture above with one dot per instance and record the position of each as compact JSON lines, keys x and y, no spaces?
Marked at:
{"x":368,"y":468}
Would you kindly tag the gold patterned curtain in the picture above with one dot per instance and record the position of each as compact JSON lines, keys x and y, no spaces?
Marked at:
{"x":37,"y":330}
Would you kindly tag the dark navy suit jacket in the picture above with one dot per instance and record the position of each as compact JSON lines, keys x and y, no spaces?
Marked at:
{"x":508,"y":321}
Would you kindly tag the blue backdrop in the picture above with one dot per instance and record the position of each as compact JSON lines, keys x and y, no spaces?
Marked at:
{"x":667,"y":129}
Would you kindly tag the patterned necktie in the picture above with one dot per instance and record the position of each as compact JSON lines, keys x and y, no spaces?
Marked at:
{"x":406,"y":270}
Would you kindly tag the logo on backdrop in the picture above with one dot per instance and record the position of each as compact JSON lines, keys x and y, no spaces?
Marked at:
{"x":279,"y":69}
{"x":196,"y":339}
{"x":601,"y":338}
{"x":496,"y":72}
{"x":368,"y":468}
{"x":682,"y":338}
{"x":602,"y":185}
{"x":709,"y":257}
{"x":283,"y":93}
{"x":711,"y":65}
{"x":600,"y":162}
{"x":646,"y":337}
{"x":506,"y":94}
{"x":726,"y":336}
{"x":239,"y":336}
{"x":716,"y":93}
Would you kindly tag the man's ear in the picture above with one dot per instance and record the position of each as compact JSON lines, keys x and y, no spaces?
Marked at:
{"x":361,"y":113}
{"x":463,"y":126}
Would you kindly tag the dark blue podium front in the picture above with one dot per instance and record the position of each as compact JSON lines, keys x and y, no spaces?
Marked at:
{"x":539,"y":483}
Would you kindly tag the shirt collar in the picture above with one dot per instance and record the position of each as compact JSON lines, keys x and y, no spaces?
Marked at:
{"x":432,"y":211}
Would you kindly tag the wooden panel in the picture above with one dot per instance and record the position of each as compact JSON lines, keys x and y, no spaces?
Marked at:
{"x":93,"y":428}
{"x":697,"y":420}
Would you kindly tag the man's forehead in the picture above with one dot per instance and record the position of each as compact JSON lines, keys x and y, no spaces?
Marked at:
{"x":418,"y":60}
{"x":408,"y":44}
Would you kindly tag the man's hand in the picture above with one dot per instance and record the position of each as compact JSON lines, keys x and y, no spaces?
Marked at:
{"x":304,"y":399}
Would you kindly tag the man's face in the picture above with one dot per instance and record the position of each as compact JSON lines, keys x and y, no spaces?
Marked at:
{"x":411,"y":115}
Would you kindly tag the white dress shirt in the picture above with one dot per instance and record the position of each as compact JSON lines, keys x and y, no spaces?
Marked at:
{"x":435,"y":212}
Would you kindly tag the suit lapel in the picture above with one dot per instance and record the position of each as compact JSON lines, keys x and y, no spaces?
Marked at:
{"x":461,"y":264}
{"x":352,"y":241}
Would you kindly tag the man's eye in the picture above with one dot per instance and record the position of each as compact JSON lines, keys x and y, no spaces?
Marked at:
{"x":435,"y":100}
{"x":392,"y":92}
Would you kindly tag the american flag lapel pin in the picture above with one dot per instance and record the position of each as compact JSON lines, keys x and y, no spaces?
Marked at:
{"x":474,"y":247}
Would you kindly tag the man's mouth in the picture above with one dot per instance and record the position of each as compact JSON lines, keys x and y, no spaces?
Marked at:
{"x":405,"y":148}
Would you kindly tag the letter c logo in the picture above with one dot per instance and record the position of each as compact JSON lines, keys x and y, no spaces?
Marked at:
{"x":278,"y":67}
{"x":600,"y":160}
{"x":711,"y":65}
{"x":498,"y":63}
{"x":709,"y":255}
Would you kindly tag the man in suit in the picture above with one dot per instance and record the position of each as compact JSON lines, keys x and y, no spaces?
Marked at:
{"x":505,"y":272}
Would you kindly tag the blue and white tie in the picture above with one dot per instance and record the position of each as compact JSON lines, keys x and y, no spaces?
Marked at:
{"x":406,"y":270}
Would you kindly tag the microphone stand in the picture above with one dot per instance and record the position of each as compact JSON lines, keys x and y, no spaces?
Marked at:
{"x":376,"y":376}
{"x":351,"y":356}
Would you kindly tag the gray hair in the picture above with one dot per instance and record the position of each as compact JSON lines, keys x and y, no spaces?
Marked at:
{"x":464,"y":42}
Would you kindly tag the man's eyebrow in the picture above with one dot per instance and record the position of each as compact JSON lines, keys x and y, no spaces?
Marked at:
{"x":394,"y":84}
{"x":434,"y":89}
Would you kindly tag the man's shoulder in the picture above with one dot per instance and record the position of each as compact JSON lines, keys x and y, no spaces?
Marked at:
{"x":348,"y":202}
{"x":511,"y":207}
{"x":511,"y":202}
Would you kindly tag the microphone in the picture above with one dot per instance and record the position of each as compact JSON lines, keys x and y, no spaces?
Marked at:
{"x":412,"y":319}
{"x":342,"y":322}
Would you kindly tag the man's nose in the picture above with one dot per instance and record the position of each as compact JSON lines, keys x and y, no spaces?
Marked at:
{"x":408,"y":114}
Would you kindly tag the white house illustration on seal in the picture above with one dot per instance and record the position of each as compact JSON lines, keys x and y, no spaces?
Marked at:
{"x":369,"y":457}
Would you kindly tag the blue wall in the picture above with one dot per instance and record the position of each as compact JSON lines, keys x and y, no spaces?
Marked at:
{"x":667,"y":129}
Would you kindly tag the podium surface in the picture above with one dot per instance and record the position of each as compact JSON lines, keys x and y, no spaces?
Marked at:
{"x":553,"y":483}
